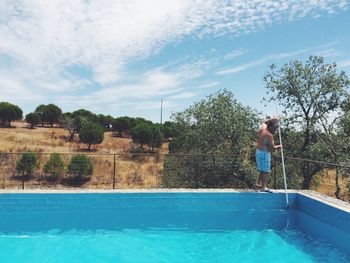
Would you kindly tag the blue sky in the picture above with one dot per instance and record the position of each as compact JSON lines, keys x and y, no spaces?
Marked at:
{"x":123,"y":57}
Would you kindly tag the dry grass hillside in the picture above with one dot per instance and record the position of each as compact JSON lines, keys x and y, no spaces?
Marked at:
{"x":131,"y":171}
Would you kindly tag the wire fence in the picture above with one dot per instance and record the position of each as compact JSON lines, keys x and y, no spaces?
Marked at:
{"x":41,"y":170}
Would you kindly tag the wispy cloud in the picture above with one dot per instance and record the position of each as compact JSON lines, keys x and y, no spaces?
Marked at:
{"x":235,"y":53}
{"x":260,"y":61}
{"x":209,"y":85}
{"x":344,"y":63}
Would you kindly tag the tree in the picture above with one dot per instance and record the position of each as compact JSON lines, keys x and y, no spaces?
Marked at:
{"x":91,"y":133}
{"x":141,"y":134}
{"x":52,"y":114}
{"x":27,"y":163}
{"x":120,"y":125}
{"x":40,"y":111}
{"x":334,"y":143}
{"x":157,"y":137}
{"x":86,"y":115}
{"x":105,"y":121}
{"x":80,"y":166}
{"x":169,"y":129}
{"x":213,"y":144}
{"x":33,"y":119}
{"x":49,"y":113}
{"x":10,"y":112}
{"x":54,"y":165}
{"x":71,"y":123}
{"x":308,"y":91}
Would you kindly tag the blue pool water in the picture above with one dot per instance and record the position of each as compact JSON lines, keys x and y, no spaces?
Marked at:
{"x":171,"y":227}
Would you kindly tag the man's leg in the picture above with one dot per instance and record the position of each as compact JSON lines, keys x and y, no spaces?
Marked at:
{"x":259,"y":181}
{"x":263,"y":179}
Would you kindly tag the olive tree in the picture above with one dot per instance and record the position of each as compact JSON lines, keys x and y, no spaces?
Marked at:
{"x":309,"y":92}
{"x":213,"y":145}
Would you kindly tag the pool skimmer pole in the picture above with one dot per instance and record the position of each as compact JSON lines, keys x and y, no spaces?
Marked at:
{"x":282,"y":157}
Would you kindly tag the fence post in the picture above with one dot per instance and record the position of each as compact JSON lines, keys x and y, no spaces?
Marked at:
{"x":23,"y":180}
{"x":113,"y":171}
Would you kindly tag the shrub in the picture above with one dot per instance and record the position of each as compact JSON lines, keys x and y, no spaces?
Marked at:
{"x":54,"y":165}
{"x":28,"y":163}
{"x":80,"y":166}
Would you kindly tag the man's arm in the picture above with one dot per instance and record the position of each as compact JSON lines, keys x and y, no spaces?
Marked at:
{"x":272,"y":143}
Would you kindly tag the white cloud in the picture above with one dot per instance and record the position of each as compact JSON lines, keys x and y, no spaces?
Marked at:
{"x":344,"y":63}
{"x":42,"y":38}
{"x":235,"y":53}
{"x":209,"y":85}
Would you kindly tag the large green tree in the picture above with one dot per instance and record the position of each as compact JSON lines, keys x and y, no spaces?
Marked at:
{"x":91,"y":133}
{"x":213,"y":145}
{"x":49,"y":113}
{"x":309,"y":91}
{"x":10,"y":112}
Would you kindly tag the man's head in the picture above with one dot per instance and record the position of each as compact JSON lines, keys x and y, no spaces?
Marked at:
{"x":272,"y":126}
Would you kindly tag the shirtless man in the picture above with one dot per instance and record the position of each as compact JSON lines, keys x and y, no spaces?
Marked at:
{"x":266,"y":146}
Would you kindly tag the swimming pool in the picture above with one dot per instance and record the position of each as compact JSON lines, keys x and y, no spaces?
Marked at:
{"x":171,"y":227}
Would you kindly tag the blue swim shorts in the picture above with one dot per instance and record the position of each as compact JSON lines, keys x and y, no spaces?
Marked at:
{"x":263,"y":160}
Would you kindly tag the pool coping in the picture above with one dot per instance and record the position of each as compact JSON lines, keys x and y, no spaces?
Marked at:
{"x":339,"y":204}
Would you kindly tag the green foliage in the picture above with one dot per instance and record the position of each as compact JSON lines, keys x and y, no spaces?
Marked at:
{"x":221,"y":131}
{"x":169,"y":129}
{"x":141,"y":134}
{"x":91,"y":133}
{"x":157,"y":137}
{"x":71,"y":123}
{"x":80,"y":166}
{"x":309,"y":92}
{"x":121,"y":124}
{"x":54,"y":166}
{"x":10,"y":112}
{"x":33,"y":119}
{"x":105,"y":121}
{"x":27,"y":163}
{"x":86,"y":116}
{"x":49,"y":113}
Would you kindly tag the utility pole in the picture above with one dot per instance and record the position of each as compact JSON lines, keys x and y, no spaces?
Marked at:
{"x":161,"y":111}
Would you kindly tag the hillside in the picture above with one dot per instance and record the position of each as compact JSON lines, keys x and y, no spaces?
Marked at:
{"x":131,"y":171}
